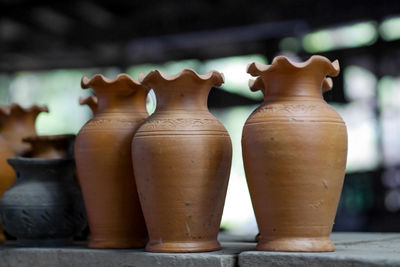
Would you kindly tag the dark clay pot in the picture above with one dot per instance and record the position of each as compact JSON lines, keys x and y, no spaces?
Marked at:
{"x":44,"y":207}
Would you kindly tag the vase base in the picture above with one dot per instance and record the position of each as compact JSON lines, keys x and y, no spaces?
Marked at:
{"x":297,"y":244}
{"x":51,"y":242}
{"x":180,"y":247}
{"x":116,"y":243}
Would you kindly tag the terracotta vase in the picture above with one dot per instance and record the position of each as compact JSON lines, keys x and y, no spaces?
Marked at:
{"x":182,"y":158}
{"x":16,"y":123}
{"x":44,"y":206}
{"x":294,"y":151}
{"x":51,"y":146}
{"x":104,"y":163}
{"x":91,"y":101}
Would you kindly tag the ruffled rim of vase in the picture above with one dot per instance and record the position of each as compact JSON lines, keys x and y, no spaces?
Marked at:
{"x":16,"y":108}
{"x":257,"y":84}
{"x":218,"y":77}
{"x":99,"y":79}
{"x":256,"y":69}
{"x":46,"y":138}
{"x":88,"y":100}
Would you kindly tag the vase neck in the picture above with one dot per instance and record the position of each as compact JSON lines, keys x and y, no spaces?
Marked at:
{"x":133,"y":102}
{"x":286,"y":79}
{"x":43,"y":169}
{"x":17,"y":119}
{"x":14,"y":127}
{"x":181,"y":95}
{"x":122,"y":94}
{"x":293,"y":85}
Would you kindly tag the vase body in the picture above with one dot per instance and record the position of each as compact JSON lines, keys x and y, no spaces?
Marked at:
{"x":51,"y":146}
{"x":182,"y":157}
{"x":104,"y":163}
{"x":44,"y":207}
{"x":16,"y":123}
{"x":294,"y":150}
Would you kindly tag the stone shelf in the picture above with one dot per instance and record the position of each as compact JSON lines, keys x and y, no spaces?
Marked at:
{"x":352,"y":249}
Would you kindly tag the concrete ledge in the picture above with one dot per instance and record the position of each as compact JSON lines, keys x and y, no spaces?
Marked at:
{"x":352,"y":249}
{"x":80,"y":256}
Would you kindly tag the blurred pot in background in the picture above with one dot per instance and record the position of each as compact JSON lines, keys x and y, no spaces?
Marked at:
{"x":44,"y":207}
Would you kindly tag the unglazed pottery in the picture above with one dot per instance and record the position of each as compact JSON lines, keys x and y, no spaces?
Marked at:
{"x":91,"y":101}
{"x":7,"y":174}
{"x":104,"y":163}
{"x":16,"y":123}
{"x":44,"y":207}
{"x":294,"y":151}
{"x":51,"y":146}
{"x":182,"y":158}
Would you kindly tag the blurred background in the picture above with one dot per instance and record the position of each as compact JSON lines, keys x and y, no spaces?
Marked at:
{"x":47,"y":46}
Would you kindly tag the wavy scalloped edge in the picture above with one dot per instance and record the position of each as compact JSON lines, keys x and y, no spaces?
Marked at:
{"x":257,"y":84}
{"x":88,"y":100}
{"x":327,"y":84}
{"x":218,"y":77}
{"x":45,"y":138}
{"x":100,"y":79}
{"x":91,"y":101}
{"x":13,"y":108}
{"x":256,"y":69}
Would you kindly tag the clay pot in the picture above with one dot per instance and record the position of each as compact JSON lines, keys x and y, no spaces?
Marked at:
{"x":16,"y":123}
{"x":91,"y":101}
{"x":294,"y":151}
{"x":51,"y":146}
{"x":182,"y":158}
{"x":104,"y":163}
{"x":44,"y":207}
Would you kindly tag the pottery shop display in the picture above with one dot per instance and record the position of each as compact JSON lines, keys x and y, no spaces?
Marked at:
{"x":182,"y":158}
{"x":51,"y":146}
{"x":16,"y":123}
{"x":104,"y":163}
{"x":91,"y":101}
{"x":294,"y":151}
{"x":44,"y":207}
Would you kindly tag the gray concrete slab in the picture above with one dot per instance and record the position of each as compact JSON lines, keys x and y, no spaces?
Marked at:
{"x":352,"y":249}
{"x":75,"y":256}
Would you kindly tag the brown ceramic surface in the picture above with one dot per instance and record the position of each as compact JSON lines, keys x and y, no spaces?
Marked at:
{"x":16,"y":123}
{"x":182,"y":157}
{"x":294,"y":152}
{"x":91,"y":101}
{"x":104,"y":163}
{"x":51,"y":146}
{"x":7,"y":174}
